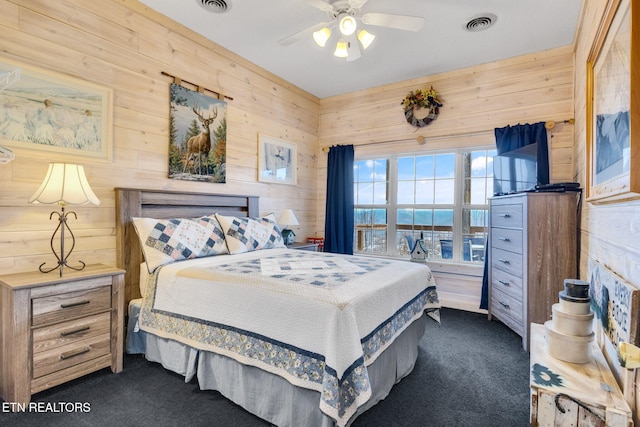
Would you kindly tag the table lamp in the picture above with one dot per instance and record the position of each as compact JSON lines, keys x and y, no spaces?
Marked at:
{"x":287,"y":218}
{"x":64,"y":184}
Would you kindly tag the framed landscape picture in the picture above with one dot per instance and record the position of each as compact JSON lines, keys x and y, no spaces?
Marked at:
{"x":276,"y":160}
{"x":613,"y":76}
{"x":46,"y":113}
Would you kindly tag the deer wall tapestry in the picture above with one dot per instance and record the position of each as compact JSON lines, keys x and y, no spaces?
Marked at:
{"x":197,"y":136}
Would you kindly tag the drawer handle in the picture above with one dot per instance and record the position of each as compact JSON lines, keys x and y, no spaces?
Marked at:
{"x":504,"y":283}
{"x":505,"y":215}
{"x":75,"y":331}
{"x":504,"y":239}
{"x":505,"y":305}
{"x":75,"y":304}
{"x":504,"y":261}
{"x":70,"y":354}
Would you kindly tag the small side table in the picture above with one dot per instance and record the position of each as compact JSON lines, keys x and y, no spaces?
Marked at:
{"x":56,"y":329}
{"x":313,"y":247}
{"x":564,"y":393}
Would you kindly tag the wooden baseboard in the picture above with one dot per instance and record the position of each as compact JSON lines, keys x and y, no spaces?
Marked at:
{"x":460,"y":302}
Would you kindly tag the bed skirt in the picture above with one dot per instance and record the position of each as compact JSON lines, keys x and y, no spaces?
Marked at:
{"x":279,"y":402}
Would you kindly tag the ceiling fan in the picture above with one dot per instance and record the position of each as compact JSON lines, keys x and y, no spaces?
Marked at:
{"x":344,"y":14}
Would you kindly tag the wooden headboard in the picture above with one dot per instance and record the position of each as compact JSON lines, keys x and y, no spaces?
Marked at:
{"x":133,"y":202}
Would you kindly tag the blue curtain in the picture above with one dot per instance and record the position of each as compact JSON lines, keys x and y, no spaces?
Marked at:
{"x":338,"y":227}
{"x":511,"y":138}
{"x":484,"y":297}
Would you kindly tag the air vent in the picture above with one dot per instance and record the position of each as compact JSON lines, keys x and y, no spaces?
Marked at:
{"x":481,"y":22}
{"x":215,"y":6}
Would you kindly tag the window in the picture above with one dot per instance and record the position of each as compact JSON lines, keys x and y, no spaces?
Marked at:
{"x":439,"y":197}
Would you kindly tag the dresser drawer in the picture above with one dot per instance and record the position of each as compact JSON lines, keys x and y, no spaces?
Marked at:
{"x":507,"y":309}
{"x":507,"y":238}
{"x":506,"y":216}
{"x":507,"y":283}
{"x":506,"y":261}
{"x":78,"y":351}
{"x":65,"y":333}
{"x":61,"y":307}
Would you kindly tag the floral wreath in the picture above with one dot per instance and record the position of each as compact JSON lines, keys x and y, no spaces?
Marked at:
{"x":418,"y":99}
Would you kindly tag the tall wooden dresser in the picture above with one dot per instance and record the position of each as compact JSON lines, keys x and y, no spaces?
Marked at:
{"x":532,"y":249}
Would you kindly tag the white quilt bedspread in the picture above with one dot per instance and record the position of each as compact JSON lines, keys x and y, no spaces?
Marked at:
{"x":316,"y":319}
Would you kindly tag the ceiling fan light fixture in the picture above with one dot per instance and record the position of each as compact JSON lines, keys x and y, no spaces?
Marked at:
{"x":321,"y":36}
{"x":347,"y":24}
{"x":366,"y":38}
{"x":341,"y":49}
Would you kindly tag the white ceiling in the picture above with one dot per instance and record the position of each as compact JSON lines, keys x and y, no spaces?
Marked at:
{"x":252,"y":29}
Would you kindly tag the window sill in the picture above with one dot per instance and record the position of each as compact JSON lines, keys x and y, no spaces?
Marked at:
{"x":474,"y":270}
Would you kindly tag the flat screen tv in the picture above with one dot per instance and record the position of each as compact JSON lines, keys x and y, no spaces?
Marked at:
{"x":516,"y":171}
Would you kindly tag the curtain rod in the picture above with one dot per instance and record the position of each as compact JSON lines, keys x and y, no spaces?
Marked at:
{"x":549,"y":124}
{"x":201,"y":89}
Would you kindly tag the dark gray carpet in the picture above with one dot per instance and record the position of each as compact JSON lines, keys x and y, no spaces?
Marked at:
{"x":470,"y":372}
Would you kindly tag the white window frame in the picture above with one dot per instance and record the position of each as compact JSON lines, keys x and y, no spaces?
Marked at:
{"x":458,"y":207}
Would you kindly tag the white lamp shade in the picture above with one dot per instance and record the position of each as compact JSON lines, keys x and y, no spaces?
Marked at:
{"x":287,"y":217}
{"x":65,"y":184}
{"x":321,"y":36}
{"x":366,"y":38}
{"x":341,"y":49}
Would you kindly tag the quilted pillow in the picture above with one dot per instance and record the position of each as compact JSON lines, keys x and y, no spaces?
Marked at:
{"x":167,"y":240}
{"x":250,"y":234}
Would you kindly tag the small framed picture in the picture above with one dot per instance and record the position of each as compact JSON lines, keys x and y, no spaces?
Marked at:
{"x":276,"y":160}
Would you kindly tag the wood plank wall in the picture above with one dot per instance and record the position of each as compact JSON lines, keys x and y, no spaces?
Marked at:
{"x":526,"y":89}
{"x":609,"y":233}
{"x":125,"y":46}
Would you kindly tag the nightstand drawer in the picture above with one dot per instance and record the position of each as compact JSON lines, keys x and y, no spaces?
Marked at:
{"x":79,"y":351}
{"x":62,"y":334}
{"x":506,"y":216}
{"x":61,"y":307}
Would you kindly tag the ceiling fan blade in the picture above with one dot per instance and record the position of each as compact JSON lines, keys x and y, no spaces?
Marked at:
{"x":292,"y":38}
{"x":353,"y":48}
{"x":399,"y":22}
{"x":322,"y":5}
{"x":357,"y":4}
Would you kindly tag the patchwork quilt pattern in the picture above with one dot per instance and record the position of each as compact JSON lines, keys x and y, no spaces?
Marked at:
{"x":302,"y":267}
{"x":250,"y":234}
{"x":169,"y":240}
{"x":335,"y":365}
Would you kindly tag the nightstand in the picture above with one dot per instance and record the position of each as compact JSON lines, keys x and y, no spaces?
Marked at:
{"x":313,"y":247}
{"x":55,"y":329}
{"x":564,"y":393}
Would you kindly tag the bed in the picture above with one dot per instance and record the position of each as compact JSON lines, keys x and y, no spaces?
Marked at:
{"x":295,"y":337}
